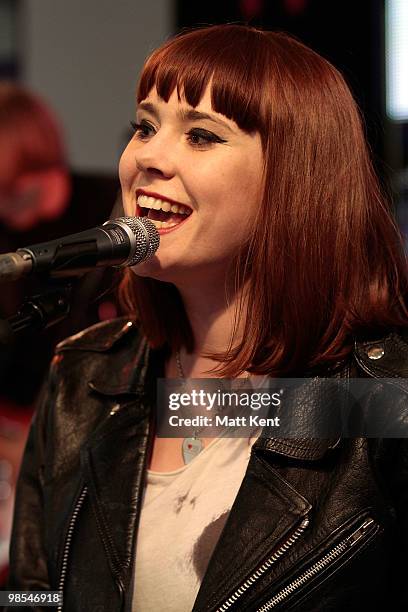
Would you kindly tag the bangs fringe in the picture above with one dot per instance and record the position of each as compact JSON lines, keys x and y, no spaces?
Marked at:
{"x":192,"y":61}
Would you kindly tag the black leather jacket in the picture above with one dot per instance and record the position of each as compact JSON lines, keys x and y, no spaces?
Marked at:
{"x":317,"y":525}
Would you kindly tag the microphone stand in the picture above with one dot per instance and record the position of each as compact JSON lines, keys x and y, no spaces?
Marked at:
{"x":37,"y":312}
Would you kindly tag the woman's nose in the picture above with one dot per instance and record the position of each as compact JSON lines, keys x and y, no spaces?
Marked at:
{"x":156,"y":157}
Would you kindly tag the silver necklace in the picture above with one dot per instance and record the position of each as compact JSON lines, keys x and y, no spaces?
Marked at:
{"x":191,"y":446}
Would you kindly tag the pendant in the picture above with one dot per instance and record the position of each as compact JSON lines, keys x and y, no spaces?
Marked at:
{"x":190,"y":448}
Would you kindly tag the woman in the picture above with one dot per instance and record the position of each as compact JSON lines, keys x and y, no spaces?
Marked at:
{"x":281,"y":259}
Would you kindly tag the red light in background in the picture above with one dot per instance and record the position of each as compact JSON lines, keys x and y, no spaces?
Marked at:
{"x":295,"y":7}
{"x":251,"y":8}
{"x":107,"y":310}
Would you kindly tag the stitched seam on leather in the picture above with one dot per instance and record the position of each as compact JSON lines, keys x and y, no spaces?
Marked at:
{"x":306,"y":453}
{"x":376,"y":372}
{"x":280,"y":478}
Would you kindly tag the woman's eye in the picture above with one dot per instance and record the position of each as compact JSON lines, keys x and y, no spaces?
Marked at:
{"x":142,"y":130}
{"x":200,"y":137}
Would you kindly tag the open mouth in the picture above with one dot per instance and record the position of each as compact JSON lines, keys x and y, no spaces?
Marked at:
{"x":162,"y":213}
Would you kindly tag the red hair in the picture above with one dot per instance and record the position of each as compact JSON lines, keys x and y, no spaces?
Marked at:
{"x":30,"y":139}
{"x":325,"y":260}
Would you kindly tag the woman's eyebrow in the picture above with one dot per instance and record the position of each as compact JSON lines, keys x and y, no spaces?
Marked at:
{"x":150,"y":108}
{"x":185,"y":115}
{"x":193,"y":115}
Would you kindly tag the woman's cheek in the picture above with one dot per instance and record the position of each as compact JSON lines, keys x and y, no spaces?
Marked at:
{"x":126,"y":178}
{"x":127,"y":208}
{"x":126,"y":169}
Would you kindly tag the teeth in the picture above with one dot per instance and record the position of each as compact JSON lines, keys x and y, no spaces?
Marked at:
{"x":162,"y":224}
{"x":168,"y":224}
{"x":145,"y":201}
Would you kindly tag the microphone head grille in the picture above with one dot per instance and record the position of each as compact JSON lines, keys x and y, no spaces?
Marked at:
{"x":147,"y":238}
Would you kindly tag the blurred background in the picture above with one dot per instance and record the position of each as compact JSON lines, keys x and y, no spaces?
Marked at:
{"x":68,"y":73}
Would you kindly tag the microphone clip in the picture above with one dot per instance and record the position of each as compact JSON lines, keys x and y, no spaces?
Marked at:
{"x":37,"y":312}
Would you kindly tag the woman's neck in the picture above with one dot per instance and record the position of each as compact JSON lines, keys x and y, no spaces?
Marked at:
{"x":212,"y":319}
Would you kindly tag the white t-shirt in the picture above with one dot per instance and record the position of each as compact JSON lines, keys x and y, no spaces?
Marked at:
{"x":183,"y":514}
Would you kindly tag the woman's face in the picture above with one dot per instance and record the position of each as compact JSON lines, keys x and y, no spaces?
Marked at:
{"x":198,"y":159}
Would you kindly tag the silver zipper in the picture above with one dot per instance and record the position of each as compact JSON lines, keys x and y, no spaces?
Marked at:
{"x":265,"y":566}
{"x":67,"y":544}
{"x":320,"y":565}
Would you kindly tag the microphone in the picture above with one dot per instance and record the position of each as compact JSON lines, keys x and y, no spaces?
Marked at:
{"x":121,"y":242}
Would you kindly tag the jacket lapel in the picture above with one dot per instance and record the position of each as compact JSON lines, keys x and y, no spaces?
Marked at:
{"x":113,"y":463}
{"x":115,"y":457}
{"x":266,"y":510}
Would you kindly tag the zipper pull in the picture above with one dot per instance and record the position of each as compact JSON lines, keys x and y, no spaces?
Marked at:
{"x":114,"y":410}
{"x":305,"y":522}
{"x":358,"y":533}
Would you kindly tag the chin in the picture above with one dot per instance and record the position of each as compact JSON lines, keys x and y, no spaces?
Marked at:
{"x":147,"y":269}
{"x":154,"y":268}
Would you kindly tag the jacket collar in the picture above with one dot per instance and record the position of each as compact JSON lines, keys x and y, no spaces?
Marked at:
{"x":383,"y":356}
{"x":100,"y":337}
{"x":121,"y":338}
{"x":305,"y":449}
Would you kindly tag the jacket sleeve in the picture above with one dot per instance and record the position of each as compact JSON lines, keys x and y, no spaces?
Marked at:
{"x":28,"y":559}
